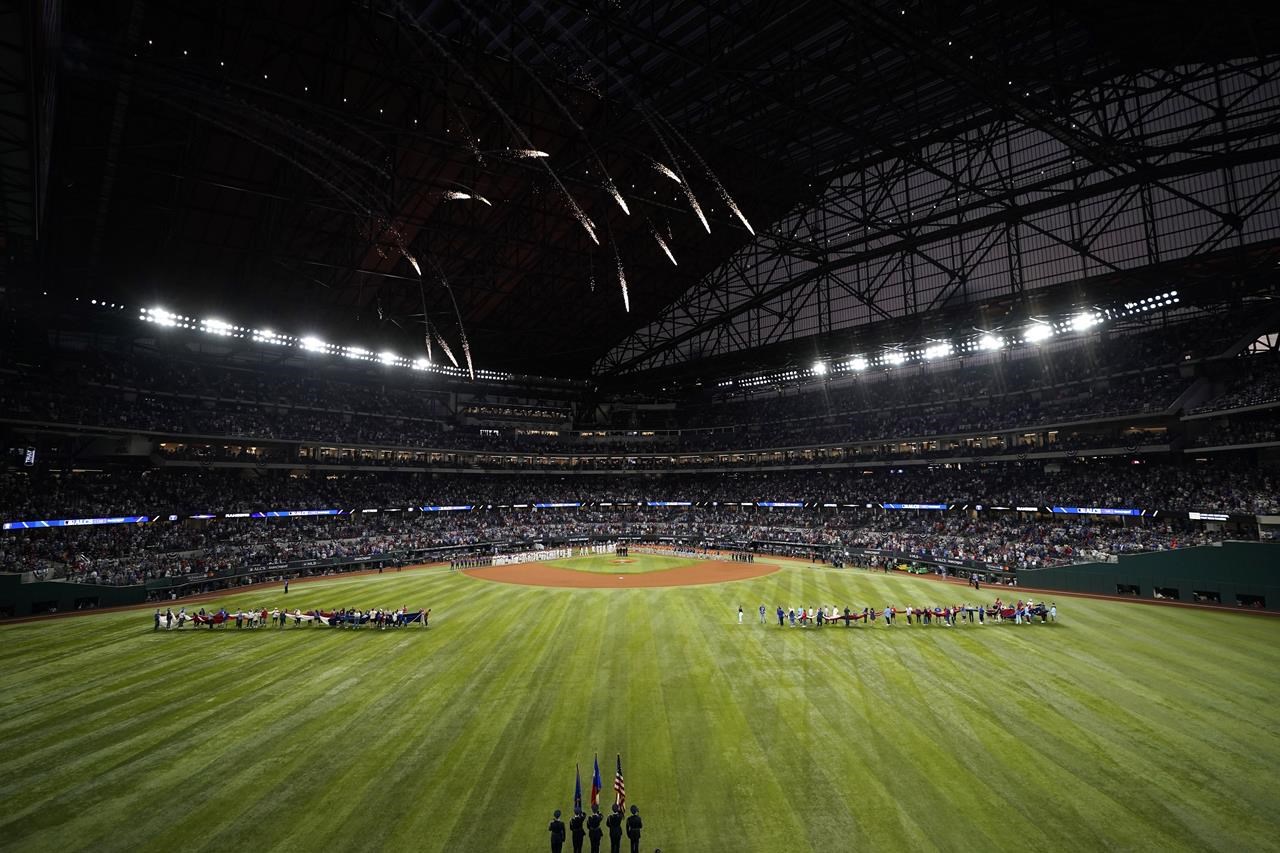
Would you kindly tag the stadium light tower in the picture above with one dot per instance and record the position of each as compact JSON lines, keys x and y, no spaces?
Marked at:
{"x":1037,"y":332}
{"x":1084,"y":322}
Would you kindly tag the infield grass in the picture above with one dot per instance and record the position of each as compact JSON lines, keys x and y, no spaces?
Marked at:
{"x":1123,"y":727}
{"x":610,"y":564}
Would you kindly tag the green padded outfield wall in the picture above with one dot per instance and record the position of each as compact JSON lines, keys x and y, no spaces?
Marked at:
{"x":1230,"y":569}
{"x":24,"y":599}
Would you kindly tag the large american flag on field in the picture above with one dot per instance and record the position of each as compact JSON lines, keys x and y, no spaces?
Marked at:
{"x":619,"y":787}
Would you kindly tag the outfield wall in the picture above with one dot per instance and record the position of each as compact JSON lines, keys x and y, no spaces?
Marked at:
{"x":23,"y":599}
{"x":1229,"y":569}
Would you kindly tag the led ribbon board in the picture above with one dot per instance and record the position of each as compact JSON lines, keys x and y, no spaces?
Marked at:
{"x":76,"y":522}
{"x":1093,"y":510}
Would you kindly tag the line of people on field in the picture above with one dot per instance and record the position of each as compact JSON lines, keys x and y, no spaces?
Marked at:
{"x":1020,"y":613}
{"x":588,"y":826}
{"x":258,"y":618}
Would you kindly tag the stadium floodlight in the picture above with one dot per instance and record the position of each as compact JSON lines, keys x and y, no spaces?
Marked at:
{"x":355,"y":352}
{"x":387,"y":357}
{"x":161,"y":317}
{"x":990,"y":342}
{"x":1037,"y":332}
{"x":858,"y":363}
{"x":820,"y":368}
{"x":267,"y":336}
{"x":421,"y":364}
{"x":313,"y":344}
{"x":895,"y":357}
{"x":1084,"y":322}
{"x":216,"y":327}
{"x":941,"y":350}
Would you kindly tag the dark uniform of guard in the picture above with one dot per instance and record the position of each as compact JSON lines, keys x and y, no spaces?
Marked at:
{"x":556,"y":828}
{"x":634,"y":825}
{"x":594,"y":832}
{"x":614,"y":822}
{"x":576,"y":832}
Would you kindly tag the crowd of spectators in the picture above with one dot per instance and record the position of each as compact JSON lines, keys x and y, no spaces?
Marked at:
{"x":1129,"y":375}
{"x":1252,"y":428}
{"x":1218,"y":486}
{"x":1254,"y":380}
{"x":503,"y":510}
{"x":130,"y":554}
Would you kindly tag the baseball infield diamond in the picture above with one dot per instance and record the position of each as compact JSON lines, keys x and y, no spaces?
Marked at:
{"x":683,"y":573}
{"x":1121,"y":727}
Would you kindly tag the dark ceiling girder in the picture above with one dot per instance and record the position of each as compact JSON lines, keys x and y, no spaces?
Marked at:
{"x":1017,"y":213}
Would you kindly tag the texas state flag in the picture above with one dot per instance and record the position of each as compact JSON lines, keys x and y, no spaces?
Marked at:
{"x":596,"y":784}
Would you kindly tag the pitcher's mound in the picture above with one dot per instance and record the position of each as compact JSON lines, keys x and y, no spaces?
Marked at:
{"x":541,"y":574}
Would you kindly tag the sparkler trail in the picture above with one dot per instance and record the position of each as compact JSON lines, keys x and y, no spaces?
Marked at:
{"x":578,"y":213}
{"x":676,"y":174}
{"x":663,"y":244}
{"x":724,"y":193}
{"x":666,"y":171}
{"x":609,"y":183}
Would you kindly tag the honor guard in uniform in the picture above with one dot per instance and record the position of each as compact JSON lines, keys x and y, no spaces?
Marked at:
{"x":634,"y":825}
{"x":576,"y":832}
{"x":556,"y":828}
{"x":614,"y":822}
{"x":594,"y":832}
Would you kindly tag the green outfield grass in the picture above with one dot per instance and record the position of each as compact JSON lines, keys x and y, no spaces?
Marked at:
{"x":607,"y":564}
{"x":1123,"y":727}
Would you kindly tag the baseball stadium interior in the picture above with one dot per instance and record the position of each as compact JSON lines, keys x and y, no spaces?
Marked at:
{"x":862,"y":300}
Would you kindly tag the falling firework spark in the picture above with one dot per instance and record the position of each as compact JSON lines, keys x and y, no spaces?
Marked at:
{"x":617,"y":196}
{"x":663,"y":244}
{"x":453,"y":195}
{"x":439,"y":47}
{"x":622,"y":282}
{"x":667,"y":171}
{"x":724,"y":193}
{"x":529,"y":153}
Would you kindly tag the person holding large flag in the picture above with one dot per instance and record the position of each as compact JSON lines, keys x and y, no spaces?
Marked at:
{"x":619,"y":788}
{"x":596,"y":784}
{"x":576,"y":832}
{"x":594,"y":832}
{"x":614,"y":822}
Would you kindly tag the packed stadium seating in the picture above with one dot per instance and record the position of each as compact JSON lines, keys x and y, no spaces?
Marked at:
{"x":131,"y":553}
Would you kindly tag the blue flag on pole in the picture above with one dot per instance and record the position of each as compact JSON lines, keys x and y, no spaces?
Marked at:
{"x":577,"y":789}
{"x":596,"y":784}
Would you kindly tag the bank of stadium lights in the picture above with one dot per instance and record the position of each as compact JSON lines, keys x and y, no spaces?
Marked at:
{"x":990,"y":343}
{"x":1163,"y":300}
{"x":1037,"y":332}
{"x":309,"y":343}
{"x":820,"y":368}
{"x":895,"y":357}
{"x":857,"y":363}
{"x":937,"y":351}
{"x":1084,"y":322}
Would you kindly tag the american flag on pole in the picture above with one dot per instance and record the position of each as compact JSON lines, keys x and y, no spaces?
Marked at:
{"x":619,"y":787}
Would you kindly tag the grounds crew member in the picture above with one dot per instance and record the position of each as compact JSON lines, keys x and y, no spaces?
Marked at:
{"x":593,"y":828}
{"x":556,"y":828}
{"x":575,"y":829}
{"x":614,"y":822}
{"x":634,"y":825}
